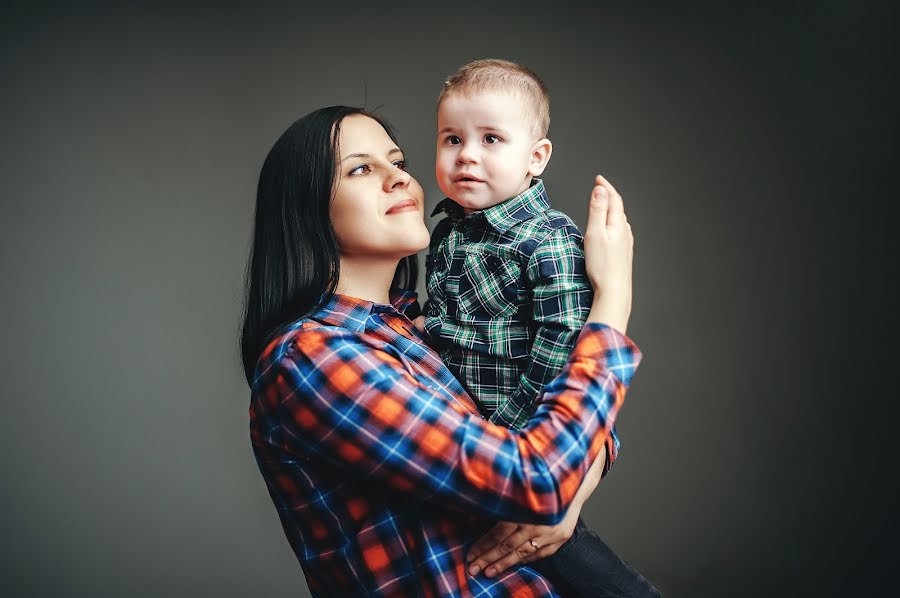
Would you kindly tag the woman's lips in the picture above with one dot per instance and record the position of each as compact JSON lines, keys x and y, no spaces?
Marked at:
{"x":404,"y":206}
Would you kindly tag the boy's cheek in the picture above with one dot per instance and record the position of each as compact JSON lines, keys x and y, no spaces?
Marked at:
{"x":441,"y":171}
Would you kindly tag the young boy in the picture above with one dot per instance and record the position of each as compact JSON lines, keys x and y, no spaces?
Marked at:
{"x":507,"y":289}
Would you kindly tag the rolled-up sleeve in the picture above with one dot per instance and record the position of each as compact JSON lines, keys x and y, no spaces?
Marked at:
{"x":330,"y":395}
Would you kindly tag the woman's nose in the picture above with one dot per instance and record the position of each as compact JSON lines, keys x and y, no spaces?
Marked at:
{"x":397,"y":178}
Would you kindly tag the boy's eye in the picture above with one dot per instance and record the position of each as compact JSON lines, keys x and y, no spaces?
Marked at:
{"x":453,"y":140}
{"x":491,"y":138}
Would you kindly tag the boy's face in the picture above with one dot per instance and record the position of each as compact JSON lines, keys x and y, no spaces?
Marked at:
{"x":486,"y":149}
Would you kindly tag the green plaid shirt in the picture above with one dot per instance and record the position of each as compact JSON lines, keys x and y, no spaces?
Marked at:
{"x":507,"y":296}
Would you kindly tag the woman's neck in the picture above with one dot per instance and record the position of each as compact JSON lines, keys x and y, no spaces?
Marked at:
{"x":366,"y":278}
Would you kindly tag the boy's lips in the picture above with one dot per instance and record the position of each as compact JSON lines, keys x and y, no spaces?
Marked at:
{"x":403,"y":206}
{"x":466,"y":178}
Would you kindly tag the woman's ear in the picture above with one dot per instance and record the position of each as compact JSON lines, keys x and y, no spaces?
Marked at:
{"x":540,"y":156}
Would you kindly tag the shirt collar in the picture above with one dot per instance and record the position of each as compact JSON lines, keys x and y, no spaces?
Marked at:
{"x":524,"y":206}
{"x":352,"y":313}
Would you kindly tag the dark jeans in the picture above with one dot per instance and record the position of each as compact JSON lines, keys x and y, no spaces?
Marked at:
{"x":586,"y":567}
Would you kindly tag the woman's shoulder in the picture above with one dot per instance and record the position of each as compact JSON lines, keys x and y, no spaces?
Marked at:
{"x":306,"y":340}
{"x":306,"y":336}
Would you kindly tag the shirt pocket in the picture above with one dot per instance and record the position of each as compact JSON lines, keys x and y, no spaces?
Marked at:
{"x":488,"y":287}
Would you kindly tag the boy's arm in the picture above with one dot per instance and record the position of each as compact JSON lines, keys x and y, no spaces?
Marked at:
{"x":560,"y":302}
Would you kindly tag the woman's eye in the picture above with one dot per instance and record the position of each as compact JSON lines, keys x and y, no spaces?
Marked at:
{"x":401,"y":164}
{"x":361,"y":169}
{"x":491,"y":139}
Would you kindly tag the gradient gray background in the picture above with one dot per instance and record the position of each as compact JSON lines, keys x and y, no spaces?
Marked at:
{"x":752,"y":145}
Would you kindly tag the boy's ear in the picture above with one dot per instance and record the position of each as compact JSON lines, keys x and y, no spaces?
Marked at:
{"x":540,"y":156}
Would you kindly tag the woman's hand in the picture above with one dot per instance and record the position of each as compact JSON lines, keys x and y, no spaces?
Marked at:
{"x":609,"y":250}
{"x":509,"y":543}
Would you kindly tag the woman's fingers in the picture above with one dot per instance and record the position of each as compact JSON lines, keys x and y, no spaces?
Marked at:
{"x":525,"y":543}
{"x":522,"y":552}
{"x":505,"y":547}
{"x":598,"y":209}
{"x":609,"y":250}
{"x":616,"y":210}
{"x":489,"y":542}
{"x":606,"y":214}
{"x":543,"y":552}
{"x":630,"y":239}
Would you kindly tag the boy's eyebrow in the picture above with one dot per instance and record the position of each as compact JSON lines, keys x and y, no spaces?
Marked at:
{"x":480,"y":128}
{"x":396,"y":150}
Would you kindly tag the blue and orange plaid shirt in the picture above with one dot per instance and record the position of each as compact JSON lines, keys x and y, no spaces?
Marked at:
{"x":383,"y":472}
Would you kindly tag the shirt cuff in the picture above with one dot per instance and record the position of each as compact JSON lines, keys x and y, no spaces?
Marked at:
{"x":603,"y":343}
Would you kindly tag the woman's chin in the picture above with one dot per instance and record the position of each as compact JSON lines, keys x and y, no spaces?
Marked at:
{"x":417,"y":239}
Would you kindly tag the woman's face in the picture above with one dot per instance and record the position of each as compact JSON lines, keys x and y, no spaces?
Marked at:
{"x":378,"y":208}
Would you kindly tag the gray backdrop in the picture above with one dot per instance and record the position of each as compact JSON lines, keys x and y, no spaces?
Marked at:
{"x":752,"y":145}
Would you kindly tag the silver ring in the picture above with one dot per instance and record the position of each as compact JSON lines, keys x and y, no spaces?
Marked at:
{"x":533,"y":543}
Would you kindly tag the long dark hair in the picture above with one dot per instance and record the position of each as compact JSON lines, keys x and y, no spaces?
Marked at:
{"x":294,"y":262}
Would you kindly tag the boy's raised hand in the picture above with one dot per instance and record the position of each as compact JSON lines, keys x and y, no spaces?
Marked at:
{"x":609,"y":250}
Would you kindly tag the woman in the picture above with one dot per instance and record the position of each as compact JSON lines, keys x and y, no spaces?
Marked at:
{"x":380,"y":467}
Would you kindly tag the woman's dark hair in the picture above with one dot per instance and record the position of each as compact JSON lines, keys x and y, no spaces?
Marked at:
{"x":294,"y":262}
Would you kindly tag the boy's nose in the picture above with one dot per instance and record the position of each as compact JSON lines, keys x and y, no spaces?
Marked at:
{"x":467,"y":154}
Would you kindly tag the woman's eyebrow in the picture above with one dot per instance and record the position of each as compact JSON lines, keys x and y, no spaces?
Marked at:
{"x":396,"y":150}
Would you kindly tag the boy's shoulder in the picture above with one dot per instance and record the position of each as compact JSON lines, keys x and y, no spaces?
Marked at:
{"x":547,"y":226}
{"x":554,"y":219}
{"x":541,"y":220}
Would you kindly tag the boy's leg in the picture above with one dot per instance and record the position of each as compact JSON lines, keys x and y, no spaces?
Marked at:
{"x":586,"y":566}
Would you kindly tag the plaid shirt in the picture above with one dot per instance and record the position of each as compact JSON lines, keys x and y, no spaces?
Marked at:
{"x":381,"y":469}
{"x":507,"y":295}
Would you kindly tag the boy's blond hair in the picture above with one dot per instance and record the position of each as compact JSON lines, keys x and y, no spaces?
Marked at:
{"x":492,"y":74}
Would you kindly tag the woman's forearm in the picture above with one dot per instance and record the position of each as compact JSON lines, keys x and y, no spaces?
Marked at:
{"x":591,"y":479}
{"x":359,"y":409}
{"x":610,"y":308}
